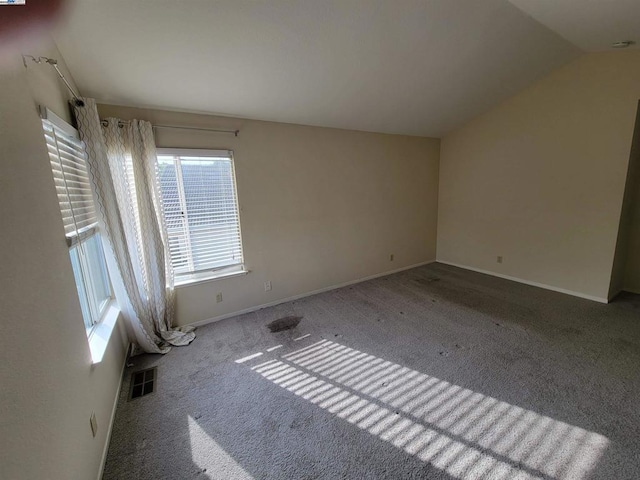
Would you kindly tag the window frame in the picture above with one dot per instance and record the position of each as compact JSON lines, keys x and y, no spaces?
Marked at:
{"x":216,"y":273}
{"x":98,"y":308}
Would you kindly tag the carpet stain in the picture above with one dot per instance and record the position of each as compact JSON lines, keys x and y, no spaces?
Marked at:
{"x":571,"y":330}
{"x":301,"y":422}
{"x":426,"y":281}
{"x":284,"y":323}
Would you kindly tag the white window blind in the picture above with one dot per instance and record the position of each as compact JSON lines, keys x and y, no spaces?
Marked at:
{"x":71,"y":177}
{"x":200,"y":209}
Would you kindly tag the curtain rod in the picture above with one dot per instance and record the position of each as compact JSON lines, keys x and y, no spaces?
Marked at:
{"x":122,"y":123}
{"x":80,"y":103}
{"x":54,"y":63}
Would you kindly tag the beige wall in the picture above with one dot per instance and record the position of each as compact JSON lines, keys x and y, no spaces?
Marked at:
{"x":48,"y":386}
{"x":539,"y":180}
{"x":319,"y":206}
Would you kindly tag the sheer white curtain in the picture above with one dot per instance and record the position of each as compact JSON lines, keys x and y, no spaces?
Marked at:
{"x":123,"y":167}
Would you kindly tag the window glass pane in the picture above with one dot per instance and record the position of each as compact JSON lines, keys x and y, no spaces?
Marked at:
{"x":82,"y":291}
{"x":73,"y":186}
{"x":208,"y":188}
{"x":173,"y":213}
{"x":97,"y":270}
{"x":201,"y":212}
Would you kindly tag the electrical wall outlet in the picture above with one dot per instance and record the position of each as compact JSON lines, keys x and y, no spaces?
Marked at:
{"x":94,"y":423}
{"x":391,"y":257}
{"x":499,"y":259}
{"x":267,"y":286}
{"x":219,"y":297}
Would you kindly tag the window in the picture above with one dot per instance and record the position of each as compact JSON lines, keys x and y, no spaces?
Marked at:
{"x":71,"y":177}
{"x":201,"y":212}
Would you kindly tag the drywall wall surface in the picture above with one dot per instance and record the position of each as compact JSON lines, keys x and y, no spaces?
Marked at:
{"x":539,"y":180}
{"x":627,"y":274}
{"x":318,"y":206}
{"x":49,"y":386}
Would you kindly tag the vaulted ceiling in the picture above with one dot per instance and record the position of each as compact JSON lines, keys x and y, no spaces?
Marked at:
{"x":592,"y":25}
{"x":419,"y":67}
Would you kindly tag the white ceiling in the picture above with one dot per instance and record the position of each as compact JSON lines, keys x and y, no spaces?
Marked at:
{"x":592,"y":25}
{"x":419,"y":67}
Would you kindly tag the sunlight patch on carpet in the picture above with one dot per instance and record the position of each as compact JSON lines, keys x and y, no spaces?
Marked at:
{"x":207,"y":454}
{"x":464,"y":433}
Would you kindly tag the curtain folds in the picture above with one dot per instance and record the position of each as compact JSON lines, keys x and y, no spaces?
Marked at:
{"x":123,"y":168}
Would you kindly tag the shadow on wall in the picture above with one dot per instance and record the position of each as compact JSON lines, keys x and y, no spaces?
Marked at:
{"x":626,"y":276}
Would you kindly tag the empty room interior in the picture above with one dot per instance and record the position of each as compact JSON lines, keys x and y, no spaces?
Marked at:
{"x":320,"y":239}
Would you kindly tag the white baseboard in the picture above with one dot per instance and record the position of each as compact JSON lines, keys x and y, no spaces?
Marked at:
{"x":105,"y":451}
{"x":201,"y":323}
{"x":528,"y":282}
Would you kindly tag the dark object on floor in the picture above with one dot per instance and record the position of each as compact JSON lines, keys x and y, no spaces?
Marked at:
{"x":142,"y":383}
{"x":284,"y":323}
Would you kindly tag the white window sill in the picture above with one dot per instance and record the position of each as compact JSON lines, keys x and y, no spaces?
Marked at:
{"x":197,"y":279}
{"x":101,"y":333}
